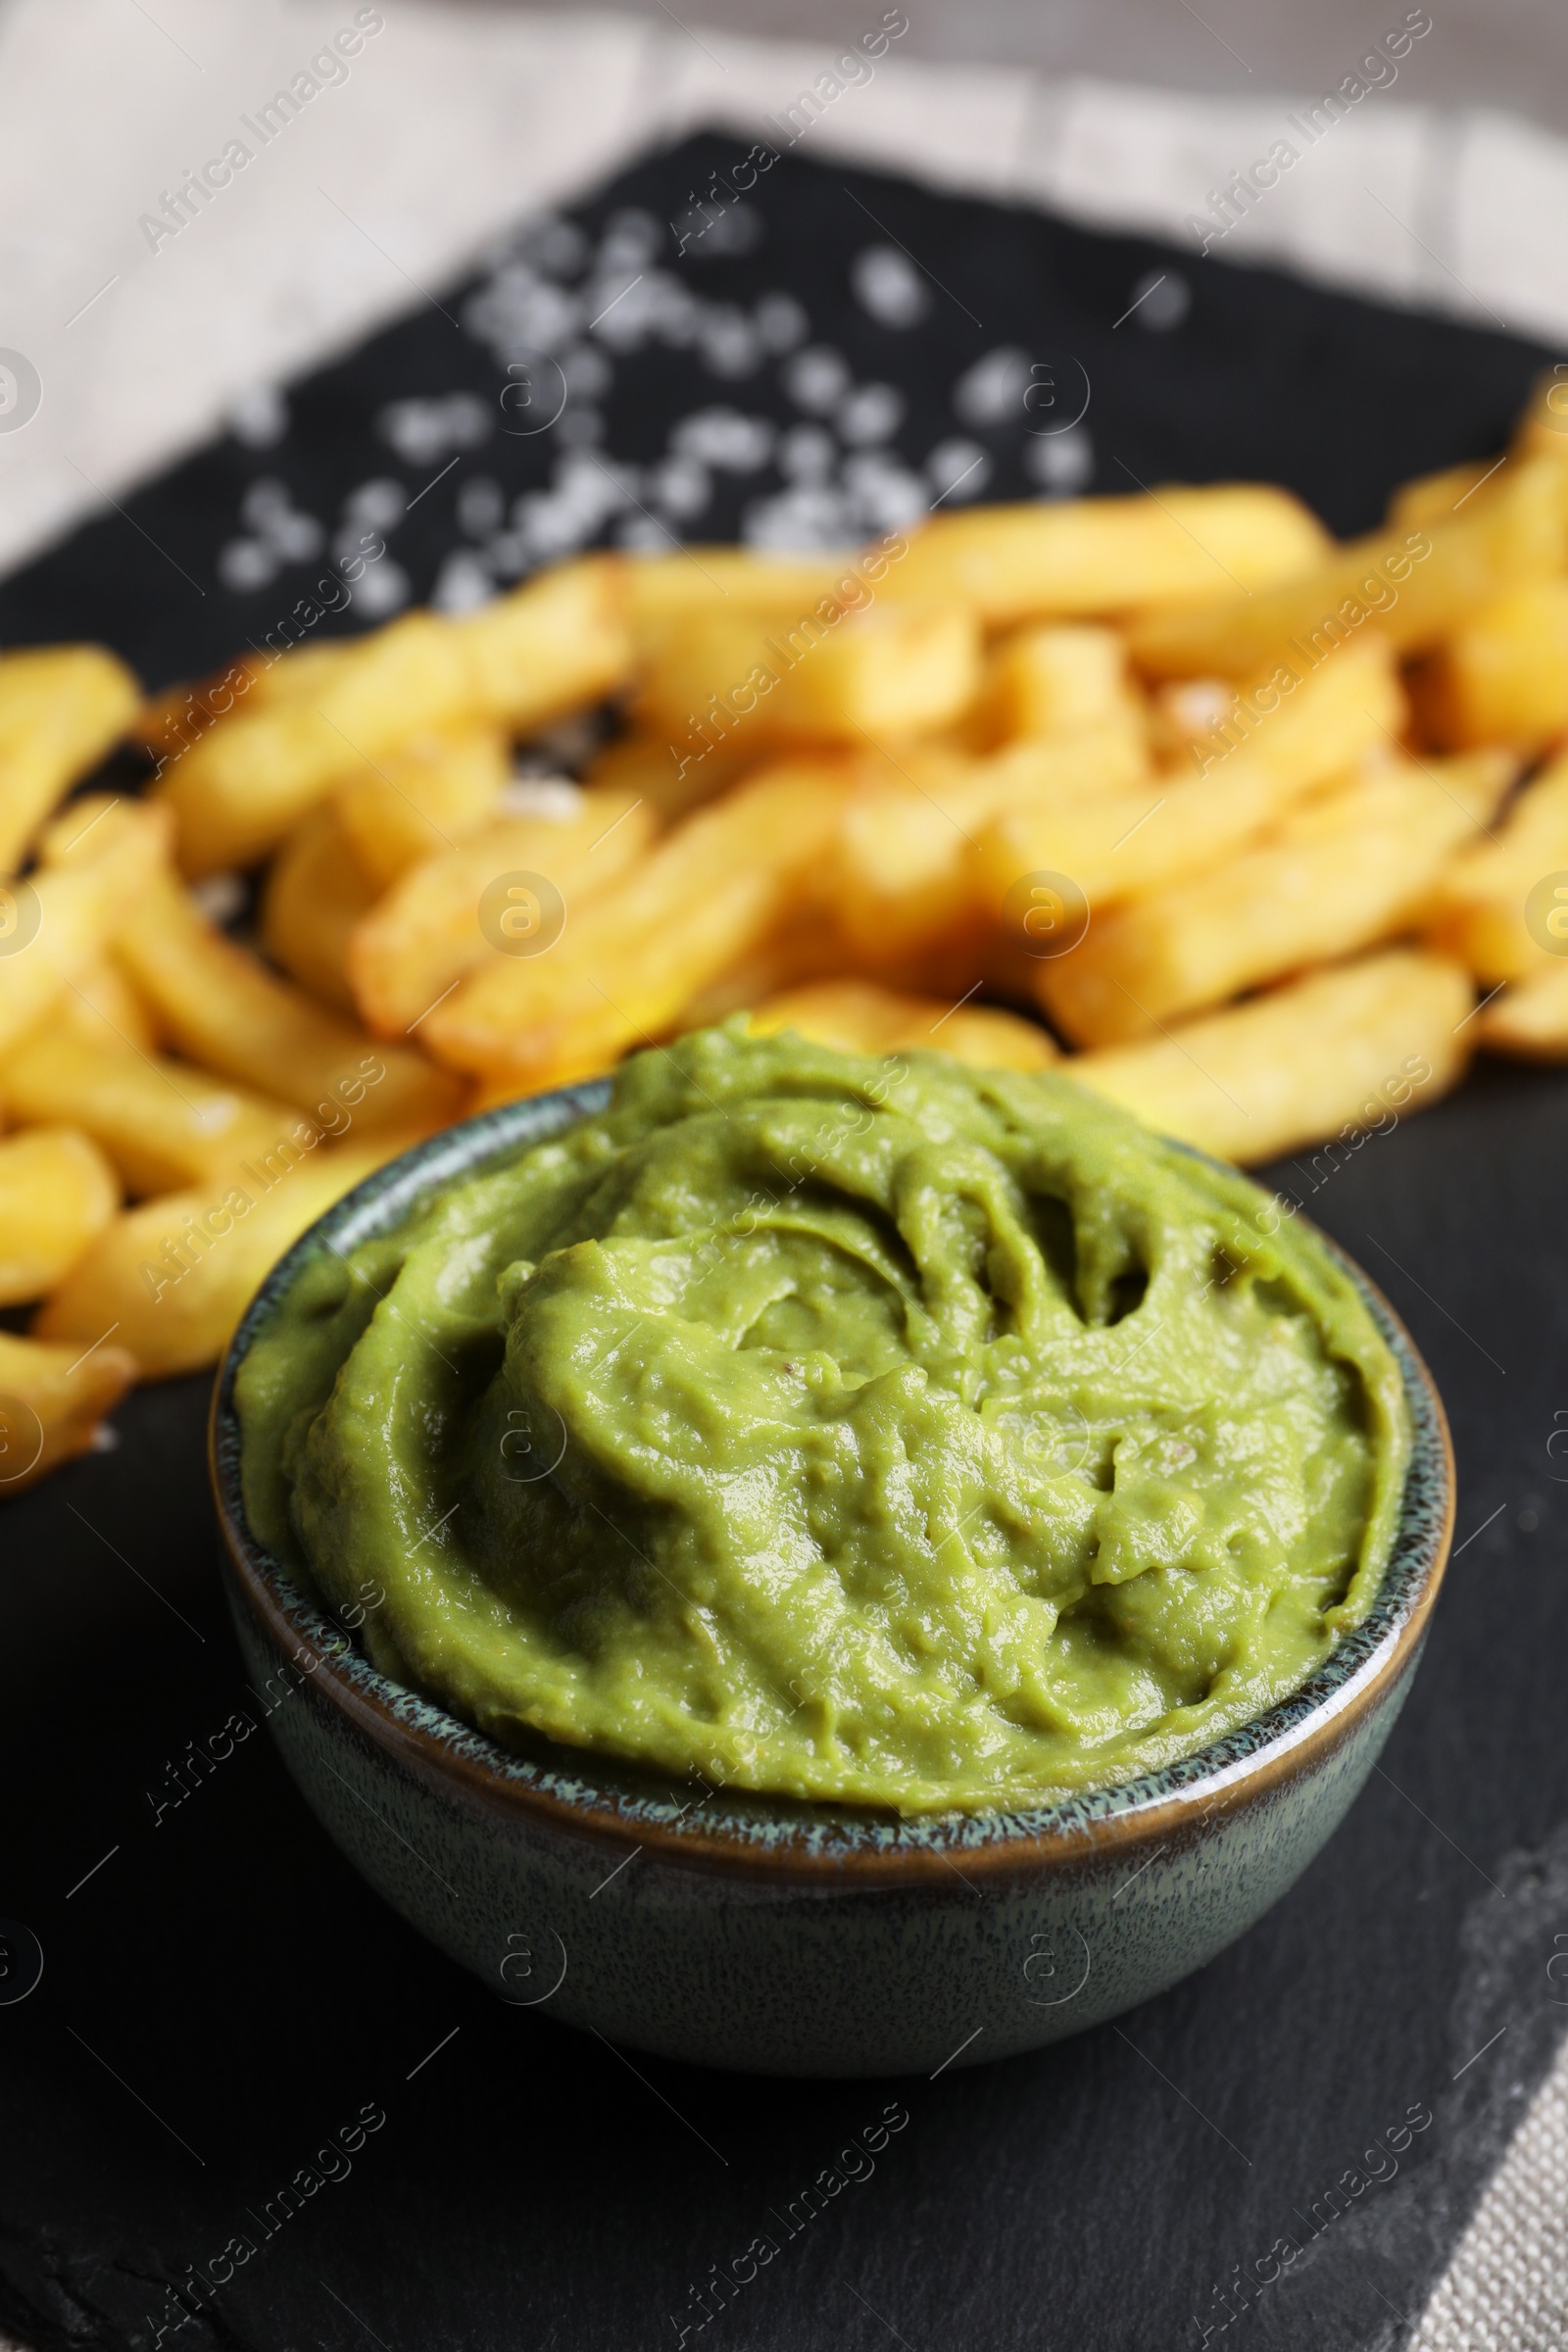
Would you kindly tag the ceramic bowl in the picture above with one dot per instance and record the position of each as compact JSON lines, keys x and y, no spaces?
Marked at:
{"x":788,"y":1938}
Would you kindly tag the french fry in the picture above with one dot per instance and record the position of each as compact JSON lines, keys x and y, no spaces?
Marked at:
{"x":1478,"y":911}
{"x":1435,"y":497}
{"x":62,"y":707}
{"x":316,"y":893}
{"x":1416,"y":586}
{"x":161,"y":1122}
{"x":245,"y":782}
{"x":903,"y":877}
{"x":420,"y":939}
{"x":1276,"y":744}
{"x":1336,"y":1053}
{"x":101,"y":1007}
{"x":551,"y":645}
{"x":860,"y":1017}
{"x":169,"y":722}
{"x":55,"y":925}
{"x":829,"y":675}
{"x":57,"y":1194}
{"x":52,"y":1401}
{"x":662,"y":776}
{"x":1502,"y":675}
{"x":220,"y":1006}
{"x":529,"y":657}
{"x":1093,"y":556}
{"x":1528,"y":1022}
{"x":1347,"y":868}
{"x":668,"y":592}
{"x":427,"y":795}
{"x":633,"y":957}
{"x":174,"y":1277}
{"x":1062,"y":678}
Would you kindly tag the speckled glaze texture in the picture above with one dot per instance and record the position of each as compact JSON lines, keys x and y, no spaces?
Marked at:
{"x":789,"y":1939}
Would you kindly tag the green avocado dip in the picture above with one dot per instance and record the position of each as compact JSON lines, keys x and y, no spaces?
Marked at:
{"x":883,"y":1432}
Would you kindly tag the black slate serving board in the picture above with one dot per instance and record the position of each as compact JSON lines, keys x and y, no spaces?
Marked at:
{"x":224,"y":2005}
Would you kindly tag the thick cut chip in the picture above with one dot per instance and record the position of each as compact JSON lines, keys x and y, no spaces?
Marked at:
{"x":52,"y":1401}
{"x":860,"y":1017}
{"x":1415,"y":585}
{"x":1530,"y":1021}
{"x":828,"y":675}
{"x":221,"y":1004}
{"x":622,"y":969}
{"x":160,"y":1121}
{"x":1284,"y":736}
{"x":62,"y":707}
{"x":1503,"y":677}
{"x":246,"y":781}
{"x":1091,"y":556}
{"x":425,"y":797}
{"x":557,"y":642}
{"x":903,"y":877}
{"x":316,"y":893}
{"x":55,"y":925}
{"x":57,"y":1194}
{"x":1501,"y":905}
{"x":1351,"y":867}
{"x":444,"y":918}
{"x":1342,"y":1053}
{"x":177,"y":1274}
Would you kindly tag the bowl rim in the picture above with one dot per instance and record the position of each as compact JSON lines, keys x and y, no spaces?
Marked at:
{"x":746,"y":1835}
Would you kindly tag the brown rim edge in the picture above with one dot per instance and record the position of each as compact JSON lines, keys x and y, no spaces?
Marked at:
{"x":1297,"y":1751}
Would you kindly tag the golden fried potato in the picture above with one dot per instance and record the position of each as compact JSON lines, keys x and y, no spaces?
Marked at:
{"x":1059,"y":678}
{"x":830,"y":676}
{"x":1503,"y":677}
{"x":55,"y":925}
{"x":102,"y":1009}
{"x":160,"y":1121}
{"x":1088,"y":555}
{"x":860,"y":1017}
{"x":1347,"y":867}
{"x":557,"y":642}
{"x":1336,"y":1053}
{"x":1416,"y":586}
{"x":425,"y":797}
{"x":664,"y":776}
{"x":62,"y":707}
{"x":245,"y":782}
{"x":316,"y":892}
{"x":52,"y":1401}
{"x":668,"y":592}
{"x":1287,"y":734}
{"x":622,"y":967}
{"x":57,"y":1194}
{"x":409,"y":953}
{"x":1480,"y":901}
{"x":221,"y":1004}
{"x":1435,"y":497}
{"x":174,"y":1277}
{"x":1528,"y":1022}
{"x":904,"y":876}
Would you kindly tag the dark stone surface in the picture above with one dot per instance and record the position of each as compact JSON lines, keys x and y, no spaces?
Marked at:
{"x":222,"y":1995}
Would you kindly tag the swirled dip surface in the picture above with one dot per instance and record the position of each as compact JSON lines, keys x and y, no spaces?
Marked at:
{"x":890,"y":1433}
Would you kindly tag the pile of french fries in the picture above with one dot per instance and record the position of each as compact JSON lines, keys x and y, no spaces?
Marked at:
{"x":1263,"y":833}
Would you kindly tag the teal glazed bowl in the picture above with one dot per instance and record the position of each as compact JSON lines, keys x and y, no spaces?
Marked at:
{"x":788,"y":1938}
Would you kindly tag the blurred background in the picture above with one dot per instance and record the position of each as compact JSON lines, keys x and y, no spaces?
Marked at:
{"x":1442,"y":182}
